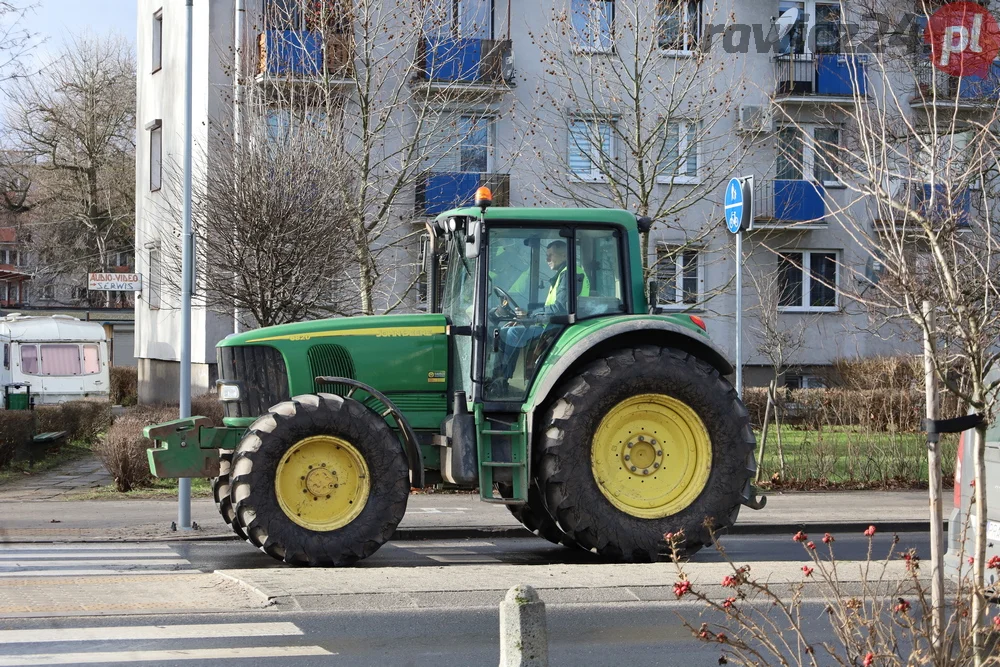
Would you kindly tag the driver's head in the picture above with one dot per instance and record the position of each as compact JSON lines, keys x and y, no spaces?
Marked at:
{"x":555,"y":254}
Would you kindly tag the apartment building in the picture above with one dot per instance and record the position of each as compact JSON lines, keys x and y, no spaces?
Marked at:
{"x":649,"y":105}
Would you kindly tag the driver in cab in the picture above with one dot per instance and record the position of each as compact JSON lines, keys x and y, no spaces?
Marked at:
{"x":528,"y":327}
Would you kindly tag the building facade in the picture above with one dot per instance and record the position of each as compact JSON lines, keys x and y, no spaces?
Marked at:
{"x":648,"y":105}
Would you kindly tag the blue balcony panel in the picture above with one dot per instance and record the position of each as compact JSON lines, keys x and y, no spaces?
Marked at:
{"x":291,"y":53}
{"x":447,"y":190}
{"x":840,"y":74}
{"x":798,"y":201}
{"x":981,"y":87}
{"x":957,"y":206}
{"x":454,"y":59}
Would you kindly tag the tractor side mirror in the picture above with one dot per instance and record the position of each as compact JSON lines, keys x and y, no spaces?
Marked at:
{"x":474,"y":239}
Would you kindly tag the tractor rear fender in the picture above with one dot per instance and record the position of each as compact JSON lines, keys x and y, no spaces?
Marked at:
{"x":409,"y":438}
{"x":569,"y":355}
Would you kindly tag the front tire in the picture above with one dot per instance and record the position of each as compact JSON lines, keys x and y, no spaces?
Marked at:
{"x":320,"y":480}
{"x":644,"y":442}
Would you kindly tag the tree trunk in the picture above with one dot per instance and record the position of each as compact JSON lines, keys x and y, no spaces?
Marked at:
{"x":763,"y":436}
{"x":979,"y":566}
{"x":934,"y":484}
{"x":773,"y":397}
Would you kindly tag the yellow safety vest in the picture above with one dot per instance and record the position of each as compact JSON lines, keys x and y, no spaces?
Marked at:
{"x":554,"y":288}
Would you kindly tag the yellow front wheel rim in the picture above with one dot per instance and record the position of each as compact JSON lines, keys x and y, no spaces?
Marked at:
{"x":322,"y":483}
{"x":651,"y":456}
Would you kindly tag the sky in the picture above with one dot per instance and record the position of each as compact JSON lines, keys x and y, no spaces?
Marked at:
{"x":55,"y":20}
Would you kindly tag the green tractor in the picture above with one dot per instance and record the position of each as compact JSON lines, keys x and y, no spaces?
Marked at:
{"x":541,"y":377}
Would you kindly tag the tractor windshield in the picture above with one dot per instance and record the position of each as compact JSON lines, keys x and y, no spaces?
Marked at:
{"x":459,"y":286}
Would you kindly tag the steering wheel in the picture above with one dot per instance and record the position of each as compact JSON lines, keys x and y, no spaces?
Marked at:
{"x":508,"y":308}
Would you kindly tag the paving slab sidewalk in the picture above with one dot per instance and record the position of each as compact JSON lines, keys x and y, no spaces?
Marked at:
{"x":37,"y":509}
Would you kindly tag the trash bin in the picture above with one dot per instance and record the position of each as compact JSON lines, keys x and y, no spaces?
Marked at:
{"x":17,"y":397}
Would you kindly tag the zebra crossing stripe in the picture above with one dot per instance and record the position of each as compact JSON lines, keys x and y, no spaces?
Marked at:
{"x":84,"y":546}
{"x":112,"y":657}
{"x":13,"y":574}
{"x":147,"y":632}
{"x":110,"y":562}
{"x":69,"y":555}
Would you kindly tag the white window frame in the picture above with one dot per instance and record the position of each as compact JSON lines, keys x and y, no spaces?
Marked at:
{"x":682,"y":149}
{"x":596,"y":175}
{"x":156,"y":41}
{"x":808,"y":8}
{"x":678,"y":251}
{"x":49,"y":292}
{"x":693,"y":36}
{"x":804,"y":265}
{"x":808,"y":133}
{"x":578,"y":42}
{"x":155,"y":133}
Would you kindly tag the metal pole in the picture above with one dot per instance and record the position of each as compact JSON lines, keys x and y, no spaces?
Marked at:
{"x":237,"y":119}
{"x":934,"y":483}
{"x":187,"y":267}
{"x":739,"y":313}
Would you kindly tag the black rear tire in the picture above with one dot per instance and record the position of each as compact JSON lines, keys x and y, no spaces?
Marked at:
{"x":565,"y":472}
{"x":255,"y":465}
{"x":537,"y":519}
{"x":220,"y":491}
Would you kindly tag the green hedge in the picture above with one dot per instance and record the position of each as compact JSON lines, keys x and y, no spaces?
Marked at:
{"x":17,"y":428}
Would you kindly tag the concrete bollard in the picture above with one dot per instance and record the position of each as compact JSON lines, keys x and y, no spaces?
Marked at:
{"x":524,"y":638}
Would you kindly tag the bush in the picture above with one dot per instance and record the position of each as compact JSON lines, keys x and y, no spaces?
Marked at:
{"x":123,"y":449}
{"x":124,"y":385}
{"x":82,"y":420}
{"x":208,"y":405}
{"x":17,"y":428}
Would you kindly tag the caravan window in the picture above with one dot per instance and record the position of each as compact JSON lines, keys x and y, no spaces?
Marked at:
{"x":60,"y":359}
{"x":29,"y":359}
{"x":91,"y":360}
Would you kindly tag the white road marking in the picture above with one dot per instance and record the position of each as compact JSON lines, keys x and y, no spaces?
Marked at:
{"x":85,"y":573}
{"x":108,"y":657}
{"x":83,"y":546}
{"x":70,"y":555}
{"x":144,"y":632}
{"x":110,"y":562}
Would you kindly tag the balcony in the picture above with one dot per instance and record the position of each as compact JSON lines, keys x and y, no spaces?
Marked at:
{"x":938,"y":89}
{"x":304,"y":56}
{"x":790,"y":204}
{"x":940,"y":203}
{"x":462,"y":66}
{"x":817,"y":78}
{"x":439,"y":191}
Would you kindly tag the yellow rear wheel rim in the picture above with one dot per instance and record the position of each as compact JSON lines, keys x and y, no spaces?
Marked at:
{"x":322,"y":483}
{"x":651,"y":456}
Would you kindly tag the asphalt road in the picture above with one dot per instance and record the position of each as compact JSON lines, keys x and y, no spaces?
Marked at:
{"x":210,"y":556}
{"x":579,"y":636}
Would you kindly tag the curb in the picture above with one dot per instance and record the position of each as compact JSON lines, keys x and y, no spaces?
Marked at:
{"x":509,"y":532}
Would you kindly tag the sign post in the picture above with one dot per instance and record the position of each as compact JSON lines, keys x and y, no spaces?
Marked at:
{"x":738,"y":211}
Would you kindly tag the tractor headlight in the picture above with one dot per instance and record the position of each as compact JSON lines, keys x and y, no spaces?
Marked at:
{"x":229,"y":392}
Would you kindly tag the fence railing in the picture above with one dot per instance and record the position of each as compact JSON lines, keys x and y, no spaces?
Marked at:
{"x":781,"y":201}
{"x":465,"y":60}
{"x":824,"y":74}
{"x":439,"y":191}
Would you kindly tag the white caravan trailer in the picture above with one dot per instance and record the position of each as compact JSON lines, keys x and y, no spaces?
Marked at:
{"x":59,"y":357}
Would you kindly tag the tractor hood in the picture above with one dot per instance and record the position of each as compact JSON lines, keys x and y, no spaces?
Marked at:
{"x":377,"y":326}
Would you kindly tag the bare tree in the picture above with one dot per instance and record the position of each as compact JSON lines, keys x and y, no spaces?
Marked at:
{"x":270,"y":221}
{"x":16,"y":41}
{"x":634,"y":112}
{"x":77,"y":120}
{"x":381,"y":74}
{"x":919,"y":161}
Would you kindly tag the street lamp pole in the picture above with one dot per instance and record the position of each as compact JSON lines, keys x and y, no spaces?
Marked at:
{"x":187,"y":266}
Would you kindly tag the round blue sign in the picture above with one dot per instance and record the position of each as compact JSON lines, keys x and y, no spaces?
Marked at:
{"x":733,"y":207}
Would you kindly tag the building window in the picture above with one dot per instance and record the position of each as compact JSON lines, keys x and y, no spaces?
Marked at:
{"x":828,"y":28}
{"x":593,"y":22}
{"x":679,"y":25}
{"x":157,"y":41}
{"x":680,"y":276}
{"x":155,"y":155}
{"x":9,"y":257}
{"x":808,"y":280}
{"x":591,"y":148}
{"x":826,"y":143}
{"x":789,"y":157}
{"x":679,"y":161}
{"x":795,"y":40}
{"x":460,"y":144}
{"x":153,"y":296}
{"x":79,"y":293}
{"x":48,"y":291}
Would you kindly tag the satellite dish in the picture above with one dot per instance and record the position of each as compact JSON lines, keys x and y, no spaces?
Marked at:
{"x":786,"y":22}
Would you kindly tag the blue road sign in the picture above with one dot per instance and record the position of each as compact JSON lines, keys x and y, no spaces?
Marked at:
{"x":734,"y":205}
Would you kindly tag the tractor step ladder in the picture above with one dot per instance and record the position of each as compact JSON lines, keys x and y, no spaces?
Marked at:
{"x":515,"y":458}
